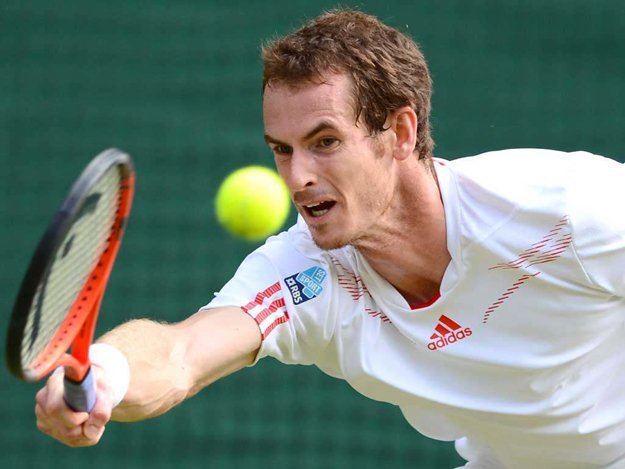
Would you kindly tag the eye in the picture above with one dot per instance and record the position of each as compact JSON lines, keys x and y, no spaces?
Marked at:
{"x":327,"y":143}
{"x":282,"y":149}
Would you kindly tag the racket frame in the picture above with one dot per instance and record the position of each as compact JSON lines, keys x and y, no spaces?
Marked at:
{"x":77,"y":328}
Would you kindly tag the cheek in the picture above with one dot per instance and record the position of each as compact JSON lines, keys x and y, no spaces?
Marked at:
{"x":377,"y":187}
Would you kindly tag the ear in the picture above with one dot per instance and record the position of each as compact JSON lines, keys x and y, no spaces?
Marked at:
{"x":404,"y":125}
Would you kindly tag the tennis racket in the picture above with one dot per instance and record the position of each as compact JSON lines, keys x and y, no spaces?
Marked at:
{"x":55,"y":312}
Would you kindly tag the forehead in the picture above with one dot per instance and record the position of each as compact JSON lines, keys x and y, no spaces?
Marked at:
{"x":293,"y":107}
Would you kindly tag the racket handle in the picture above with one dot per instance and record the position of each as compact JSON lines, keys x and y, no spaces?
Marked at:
{"x":80,"y":396}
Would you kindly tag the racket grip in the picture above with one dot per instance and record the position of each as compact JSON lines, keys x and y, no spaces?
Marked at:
{"x":80,"y":396}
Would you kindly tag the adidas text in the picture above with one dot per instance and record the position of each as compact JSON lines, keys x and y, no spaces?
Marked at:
{"x":449,"y":339}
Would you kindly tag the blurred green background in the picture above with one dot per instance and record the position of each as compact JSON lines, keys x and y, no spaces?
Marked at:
{"x":177,"y":85}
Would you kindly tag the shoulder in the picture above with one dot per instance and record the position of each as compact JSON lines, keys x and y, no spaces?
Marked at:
{"x":595,"y":203}
{"x":292,"y":263}
{"x":523,"y":168}
{"x":528,"y":165}
{"x":292,"y":250}
{"x":528,"y":178}
{"x":295,"y":242}
{"x":291,"y":288}
{"x":519,"y":194}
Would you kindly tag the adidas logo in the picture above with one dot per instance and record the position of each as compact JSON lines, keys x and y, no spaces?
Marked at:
{"x":447,"y":332}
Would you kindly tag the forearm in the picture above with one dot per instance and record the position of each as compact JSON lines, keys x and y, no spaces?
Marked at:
{"x":157,"y":378}
{"x":171,"y":362}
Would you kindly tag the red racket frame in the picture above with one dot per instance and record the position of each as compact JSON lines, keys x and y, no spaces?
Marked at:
{"x":78,"y":327}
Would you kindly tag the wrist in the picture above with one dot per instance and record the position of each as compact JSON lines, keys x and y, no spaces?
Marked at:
{"x":115,"y":366}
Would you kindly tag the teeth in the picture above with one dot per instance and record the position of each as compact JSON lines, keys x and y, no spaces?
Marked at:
{"x":318,"y":213}
{"x":315,"y":211}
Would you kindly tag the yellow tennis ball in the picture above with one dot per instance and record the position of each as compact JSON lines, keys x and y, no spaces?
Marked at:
{"x":252,"y":202}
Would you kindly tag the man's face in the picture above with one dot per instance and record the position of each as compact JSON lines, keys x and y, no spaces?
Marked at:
{"x":339,"y":177}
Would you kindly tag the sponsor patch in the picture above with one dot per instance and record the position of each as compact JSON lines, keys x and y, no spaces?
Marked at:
{"x":306,"y":285}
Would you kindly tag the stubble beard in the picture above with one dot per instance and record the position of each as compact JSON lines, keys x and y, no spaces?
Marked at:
{"x":328,"y":244}
{"x":341,"y":236}
{"x":354,"y":238}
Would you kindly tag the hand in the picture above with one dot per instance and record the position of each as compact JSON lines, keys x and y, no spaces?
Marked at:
{"x":75,"y":429}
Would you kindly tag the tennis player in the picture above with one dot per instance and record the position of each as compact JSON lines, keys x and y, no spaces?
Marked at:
{"x":484,"y":296}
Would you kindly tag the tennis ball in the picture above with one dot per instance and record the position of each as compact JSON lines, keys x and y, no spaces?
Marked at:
{"x":252,"y":202}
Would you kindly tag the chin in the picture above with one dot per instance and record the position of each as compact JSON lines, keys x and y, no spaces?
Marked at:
{"x":329,"y":246}
{"x":328,"y":243}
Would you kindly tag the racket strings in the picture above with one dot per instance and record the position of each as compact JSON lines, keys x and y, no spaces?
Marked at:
{"x":77,"y":255}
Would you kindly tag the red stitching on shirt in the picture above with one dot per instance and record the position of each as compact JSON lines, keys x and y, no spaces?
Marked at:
{"x":272,"y":308}
{"x":276,"y":322}
{"x":555,"y":243}
{"x":350,"y":282}
{"x":506,"y":295}
{"x":260,"y":315}
{"x":262,"y":295}
{"x":377,"y":314}
{"x":353,"y":284}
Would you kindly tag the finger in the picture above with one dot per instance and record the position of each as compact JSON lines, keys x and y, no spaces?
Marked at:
{"x":42,"y":423}
{"x":41,"y":395}
{"x":43,"y":419}
{"x":100,"y":415}
{"x":101,"y":412}
{"x":53,"y":407}
{"x":57,"y":420}
{"x":40,"y":414}
{"x":68,"y":418}
{"x":69,"y":436}
{"x":92,"y":432}
{"x":75,"y":438}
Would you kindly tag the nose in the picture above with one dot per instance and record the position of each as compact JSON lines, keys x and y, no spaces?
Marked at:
{"x":300,"y":171}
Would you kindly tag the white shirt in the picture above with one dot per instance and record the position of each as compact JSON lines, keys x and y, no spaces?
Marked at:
{"x":521,"y":358}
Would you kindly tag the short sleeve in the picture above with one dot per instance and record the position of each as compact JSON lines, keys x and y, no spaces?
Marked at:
{"x":597,"y":219}
{"x":289,"y":296}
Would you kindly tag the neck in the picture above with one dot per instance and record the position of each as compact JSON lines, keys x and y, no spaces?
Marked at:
{"x":408,"y":246}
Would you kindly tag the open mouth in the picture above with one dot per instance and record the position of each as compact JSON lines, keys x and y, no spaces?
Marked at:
{"x":320,"y":209}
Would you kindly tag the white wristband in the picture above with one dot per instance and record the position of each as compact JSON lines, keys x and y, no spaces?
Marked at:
{"x":115,"y":366}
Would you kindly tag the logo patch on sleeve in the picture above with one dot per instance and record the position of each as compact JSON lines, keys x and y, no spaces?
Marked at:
{"x":306,"y":285}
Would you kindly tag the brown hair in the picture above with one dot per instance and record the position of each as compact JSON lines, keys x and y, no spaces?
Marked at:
{"x":387,"y":68}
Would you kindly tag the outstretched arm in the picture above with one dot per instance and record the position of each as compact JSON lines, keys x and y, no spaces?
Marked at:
{"x":168,"y":363}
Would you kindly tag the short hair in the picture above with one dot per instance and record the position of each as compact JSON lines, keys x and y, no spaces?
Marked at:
{"x":387,"y":68}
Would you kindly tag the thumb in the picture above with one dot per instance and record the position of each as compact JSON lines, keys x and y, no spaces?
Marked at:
{"x":93,"y":432}
{"x":99,"y":416}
